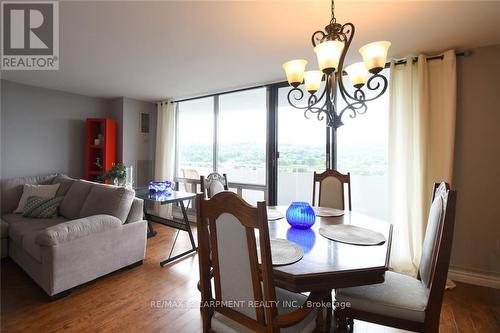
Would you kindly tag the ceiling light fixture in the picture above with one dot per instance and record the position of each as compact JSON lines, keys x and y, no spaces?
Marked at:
{"x":331,"y":47}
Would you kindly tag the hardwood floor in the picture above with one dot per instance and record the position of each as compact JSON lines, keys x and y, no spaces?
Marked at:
{"x":137,"y":300}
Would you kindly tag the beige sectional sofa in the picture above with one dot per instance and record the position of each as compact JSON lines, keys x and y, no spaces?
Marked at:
{"x":99,"y":229}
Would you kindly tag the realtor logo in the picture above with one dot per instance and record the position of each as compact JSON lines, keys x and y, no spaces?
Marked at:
{"x":30,"y":35}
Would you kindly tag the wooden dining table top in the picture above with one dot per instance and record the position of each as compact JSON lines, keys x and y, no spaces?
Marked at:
{"x":328,"y":264}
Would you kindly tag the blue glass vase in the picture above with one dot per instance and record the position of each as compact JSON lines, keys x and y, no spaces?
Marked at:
{"x":300,"y":215}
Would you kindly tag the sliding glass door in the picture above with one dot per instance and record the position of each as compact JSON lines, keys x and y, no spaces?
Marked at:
{"x":195,"y":138}
{"x":362,"y":145}
{"x":241,"y":151}
{"x":301,"y":146}
{"x":225,"y":133}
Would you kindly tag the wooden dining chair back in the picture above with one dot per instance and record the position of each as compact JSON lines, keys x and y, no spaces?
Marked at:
{"x":331,"y":189}
{"x":385,"y":304}
{"x":436,"y":252}
{"x":229,"y":253}
{"x":189,"y":174}
{"x":213,"y":184}
{"x":229,"y":250}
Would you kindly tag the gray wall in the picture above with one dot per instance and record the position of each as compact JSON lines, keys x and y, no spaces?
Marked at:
{"x":117,"y":115}
{"x":133,"y":147}
{"x":476,"y":244}
{"x":43,"y":130}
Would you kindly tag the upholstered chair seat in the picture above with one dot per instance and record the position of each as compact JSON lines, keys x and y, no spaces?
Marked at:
{"x":403,"y":301}
{"x":222,"y":324}
{"x":400,"y":296}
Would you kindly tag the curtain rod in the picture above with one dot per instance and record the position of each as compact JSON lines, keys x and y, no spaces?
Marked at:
{"x":387,"y":65}
{"x":436,"y":57}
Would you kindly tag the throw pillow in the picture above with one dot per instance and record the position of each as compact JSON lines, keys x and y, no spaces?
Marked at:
{"x":40,"y":208}
{"x":43,"y":191}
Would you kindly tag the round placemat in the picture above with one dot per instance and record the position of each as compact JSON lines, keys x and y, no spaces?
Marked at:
{"x":351,"y":234}
{"x":283,"y":252}
{"x":273,"y":215}
{"x":328,"y":212}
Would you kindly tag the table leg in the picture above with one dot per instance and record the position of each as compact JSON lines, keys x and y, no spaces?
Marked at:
{"x":188,"y":226}
{"x":151,"y":232}
{"x":191,"y":238}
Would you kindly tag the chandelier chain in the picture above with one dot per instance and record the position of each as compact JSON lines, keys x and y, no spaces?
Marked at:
{"x":333,"y":19}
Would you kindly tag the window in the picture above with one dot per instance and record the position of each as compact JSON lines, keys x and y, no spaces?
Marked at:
{"x":302,"y":150}
{"x":226,"y":134}
{"x":362,"y":150}
{"x":195,"y":138}
{"x":229,"y":133}
{"x":242,"y":136}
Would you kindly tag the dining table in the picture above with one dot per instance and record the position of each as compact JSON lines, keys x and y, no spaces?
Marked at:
{"x":328,"y":264}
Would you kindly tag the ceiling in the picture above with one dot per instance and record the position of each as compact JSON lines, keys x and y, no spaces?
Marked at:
{"x":154,"y":50}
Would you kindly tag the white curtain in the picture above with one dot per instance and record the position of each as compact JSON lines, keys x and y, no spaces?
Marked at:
{"x":165,"y":148}
{"x":421,"y":144}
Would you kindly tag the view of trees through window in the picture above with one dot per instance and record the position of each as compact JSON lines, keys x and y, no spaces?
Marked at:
{"x":195,"y":135}
{"x":302,"y":150}
{"x":241,"y":145}
{"x":239,"y":128}
{"x":362,"y":150}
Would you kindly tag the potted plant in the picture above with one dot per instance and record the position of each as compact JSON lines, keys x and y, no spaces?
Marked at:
{"x":116,"y":174}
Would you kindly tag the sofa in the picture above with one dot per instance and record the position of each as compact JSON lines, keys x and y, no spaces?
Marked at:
{"x":99,"y":229}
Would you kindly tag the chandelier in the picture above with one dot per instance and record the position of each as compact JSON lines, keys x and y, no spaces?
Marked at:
{"x":331,"y":47}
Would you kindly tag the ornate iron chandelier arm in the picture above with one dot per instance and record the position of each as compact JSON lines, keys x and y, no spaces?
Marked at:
{"x":349,"y":36}
{"x":317,"y":36}
{"x":355,"y":108}
{"x":371,"y":87}
{"x":311,"y":102}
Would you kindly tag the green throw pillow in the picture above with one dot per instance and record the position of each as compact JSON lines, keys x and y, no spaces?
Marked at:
{"x":40,"y":208}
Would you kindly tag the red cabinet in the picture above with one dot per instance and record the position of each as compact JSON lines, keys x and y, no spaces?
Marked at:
{"x":100,"y":147}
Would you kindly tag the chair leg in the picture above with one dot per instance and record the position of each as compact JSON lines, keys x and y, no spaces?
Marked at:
{"x":341,"y":320}
{"x":350,"y":322}
{"x":329,"y":313}
{"x":206,"y":318}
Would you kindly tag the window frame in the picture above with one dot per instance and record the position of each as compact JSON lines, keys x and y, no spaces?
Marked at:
{"x":270,"y":187}
{"x":215,"y":154}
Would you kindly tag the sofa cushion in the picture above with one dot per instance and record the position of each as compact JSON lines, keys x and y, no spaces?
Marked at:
{"x":19,"y":225}
{"x":74,"y":199}
{"x":40,"y":208}
{"x":12,"y":218}
{"x":65,"y":183}
{"x":74,"y":229}
{"x":12,"y":189}
{"x":109,"y":200}
{"x":136,"y":211}
{"x":23,"y":231}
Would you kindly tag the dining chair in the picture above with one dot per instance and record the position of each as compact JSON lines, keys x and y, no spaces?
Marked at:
{"x":190,"y":174}
{"x":213,"y":184}
{"x":245,"y":298}
{"x":402,"y":301}
{"x":331,"y":189}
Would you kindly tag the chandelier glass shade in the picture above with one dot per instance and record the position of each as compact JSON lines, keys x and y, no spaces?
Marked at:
{"x":331,"y":46}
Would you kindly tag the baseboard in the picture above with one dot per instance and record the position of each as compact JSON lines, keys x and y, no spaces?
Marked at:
{"x":478,"y":279}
